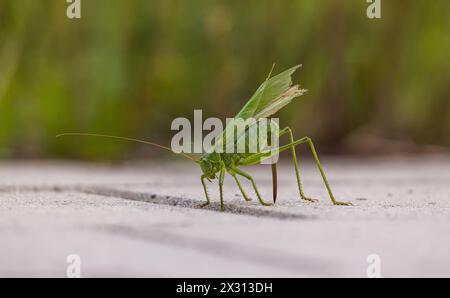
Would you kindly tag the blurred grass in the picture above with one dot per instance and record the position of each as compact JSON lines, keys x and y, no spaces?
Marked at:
{"x":130,"y":67}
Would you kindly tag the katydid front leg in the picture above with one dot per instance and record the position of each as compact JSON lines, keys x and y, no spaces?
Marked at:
{"x":208,"y":201}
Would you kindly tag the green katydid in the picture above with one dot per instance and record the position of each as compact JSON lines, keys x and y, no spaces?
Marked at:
{"x":275,"y":93}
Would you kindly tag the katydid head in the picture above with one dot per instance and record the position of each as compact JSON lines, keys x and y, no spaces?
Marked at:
{"x":208,"y":169}
{"x":210,"y":164}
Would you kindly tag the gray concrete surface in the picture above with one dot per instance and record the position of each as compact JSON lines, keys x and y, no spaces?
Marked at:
{"x":140,"y":219}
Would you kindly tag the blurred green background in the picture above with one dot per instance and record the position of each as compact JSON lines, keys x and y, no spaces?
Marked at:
{"x":130,"y":67}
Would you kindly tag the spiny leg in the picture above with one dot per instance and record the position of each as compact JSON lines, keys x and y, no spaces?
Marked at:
{"x":246,"y":197}
{"x":294,"y":157}
{"x":243,"y":174}
{"x":206,"y":193}
{"x":307,"y":140}
{"x":313,"y":150}
{"x":221,"y":178}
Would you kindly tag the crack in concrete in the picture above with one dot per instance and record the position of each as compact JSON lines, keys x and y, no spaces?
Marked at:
{"x":157,"y":199}
{"x":193,"y":204}
{"x":34,"y":188}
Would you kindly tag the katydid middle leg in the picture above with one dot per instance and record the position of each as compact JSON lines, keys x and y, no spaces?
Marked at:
{"x":244,"y":194}
{"x":245,"y":175}
{"x":221,"y":179}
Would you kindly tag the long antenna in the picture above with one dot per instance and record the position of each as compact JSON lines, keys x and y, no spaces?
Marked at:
{"x":123,"y":138}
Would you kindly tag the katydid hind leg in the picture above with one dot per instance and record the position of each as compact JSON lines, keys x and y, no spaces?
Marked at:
{"x":307,"y":140}
{"x":294,"y":157}
{"x":322,"y":173}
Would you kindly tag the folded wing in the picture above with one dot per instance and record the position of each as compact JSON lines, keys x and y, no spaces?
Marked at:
{"x":271,"y":96}
{"x":274,"y":94}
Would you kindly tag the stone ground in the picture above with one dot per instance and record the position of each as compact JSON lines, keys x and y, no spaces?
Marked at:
{"x":140,"y":220}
